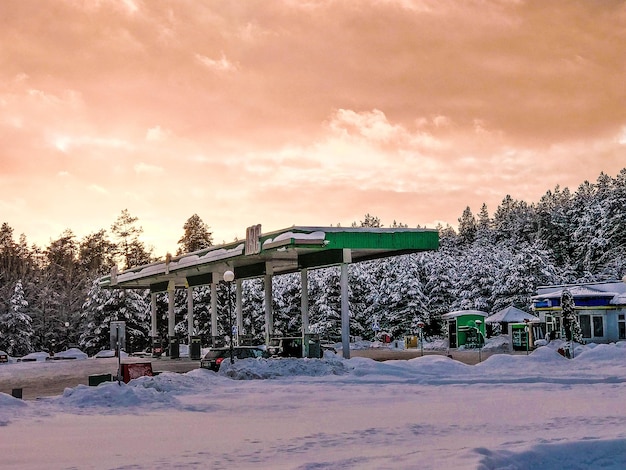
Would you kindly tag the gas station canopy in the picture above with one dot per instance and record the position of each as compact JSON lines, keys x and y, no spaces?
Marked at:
{"x":280,"y":252}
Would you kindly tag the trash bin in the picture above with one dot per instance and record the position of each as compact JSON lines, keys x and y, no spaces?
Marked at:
{"x":194,"y":348}
{"x":97,"y":379}
{"x":157,"y":347}
{"x":133,"y":370}
{"x":174,"y":348}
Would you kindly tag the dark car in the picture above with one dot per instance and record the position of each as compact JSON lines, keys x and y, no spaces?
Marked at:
{"x":214,"y":358}
{"x":291,"y":346}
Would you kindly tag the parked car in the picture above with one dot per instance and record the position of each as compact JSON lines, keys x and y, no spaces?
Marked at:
{"x":106,"y":353}
{"x":215,"y":356}
{"x":291,"y":346}
{"x":38,"y":356}
{"x":71,"y":353}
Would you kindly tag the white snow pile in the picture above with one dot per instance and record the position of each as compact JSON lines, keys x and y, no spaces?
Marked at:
{"x":283,"y":367}
{"x":512,"y":412}
{"x":114,"y":397}
{"x":9,"y":407}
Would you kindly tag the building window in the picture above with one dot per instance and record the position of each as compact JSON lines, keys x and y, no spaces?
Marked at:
{"x":592,"y":326}
{"x":621,"y":326}
{"x":585,"y":325}
{"x":598,"y":327}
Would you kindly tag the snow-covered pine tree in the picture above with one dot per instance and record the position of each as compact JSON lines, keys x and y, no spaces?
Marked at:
{"x":467,"y":226}
{"x":16,"y":329}
{"x":287,"y":293}
{"x":325,"y":305}
{"x":253,"y":296}
{"x":570,"y":322}
{"x":106,"y":305}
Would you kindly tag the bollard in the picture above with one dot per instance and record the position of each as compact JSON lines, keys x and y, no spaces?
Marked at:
{"x":16,"y":393}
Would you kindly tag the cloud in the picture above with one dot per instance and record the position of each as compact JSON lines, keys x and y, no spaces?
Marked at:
{"x":98,"y":189}
{"x":155,"y":134}
{"x":221,"y":65}
{"x":145,"y":168}
{"x":303,"y":112}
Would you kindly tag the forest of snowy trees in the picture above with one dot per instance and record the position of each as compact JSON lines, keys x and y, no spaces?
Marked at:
{"x":49,"y":298}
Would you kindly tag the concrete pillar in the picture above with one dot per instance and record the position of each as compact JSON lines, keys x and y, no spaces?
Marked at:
{"x":153,"y":315}
{"x":345,"y":306}
{"x":304,"y":301}
{"x":171,"y":319}
{"x":239,"y":308}
{"x":304,"y":309}
{"x":269,"y":314}
{"x":214,"y":309}
{"x":190,"y":324}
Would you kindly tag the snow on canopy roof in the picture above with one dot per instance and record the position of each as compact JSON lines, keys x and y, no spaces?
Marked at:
{"x":510,"y":314}
{"x":282,"y":252}
{"x":459,"y":313}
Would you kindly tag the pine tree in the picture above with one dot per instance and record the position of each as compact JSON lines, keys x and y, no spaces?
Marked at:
{"x":15,"y":325}
{"x":570,"y":322}
{"x":325,"y":305}
{"x":196,"y":237}
{"x":130,"y":250}
{"x":104,"y":306}
{"x":253,"y":297}
{"x":369,"y":221}
{"x":96,"y":254}
{"x":467,"y":226}
{"x":287,"y":292}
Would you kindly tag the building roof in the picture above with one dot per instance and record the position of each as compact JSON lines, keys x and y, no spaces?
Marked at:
{"x":278,"y":252}
{"x":576,"y":291}
{"x":614,"y":292}
{"x":510,"y":314}
{"x":459,"y":313}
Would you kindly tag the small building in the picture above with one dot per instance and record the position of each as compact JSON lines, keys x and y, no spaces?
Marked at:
{"x":600,"y":308}
{"x":514,"y":316}
{"x":465,"y":328}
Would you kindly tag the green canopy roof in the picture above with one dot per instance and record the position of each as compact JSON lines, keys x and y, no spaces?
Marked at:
{"x":279,"y":252}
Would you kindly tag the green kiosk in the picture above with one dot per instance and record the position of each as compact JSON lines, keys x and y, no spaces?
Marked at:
{"x":466,"y":328}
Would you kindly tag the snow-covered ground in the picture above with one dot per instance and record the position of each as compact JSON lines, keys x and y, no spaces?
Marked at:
{"x":540,"y":411}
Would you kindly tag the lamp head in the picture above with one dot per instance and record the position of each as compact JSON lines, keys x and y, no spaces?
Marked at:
{"x":229,"y":276}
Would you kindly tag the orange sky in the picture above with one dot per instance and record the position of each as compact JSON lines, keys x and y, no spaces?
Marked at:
{"x":300,"y":112}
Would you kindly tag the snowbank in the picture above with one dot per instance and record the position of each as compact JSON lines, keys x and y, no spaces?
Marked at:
{"x":540,"y":410}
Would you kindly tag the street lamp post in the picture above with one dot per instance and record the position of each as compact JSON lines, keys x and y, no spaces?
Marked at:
{"x":480,"y":344}
{"x":527,"y":331}
{"x":229,"y":277}
{"x":67,"y":335}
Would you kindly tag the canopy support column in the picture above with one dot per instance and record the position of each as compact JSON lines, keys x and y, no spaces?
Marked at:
{"x":269,"y":314}
{"x":238,"y":308}
{"x":190,"y":324}
{"x":345,"y":307}
{"x":171,"y":320}
{"x":153,"y":315}
{"x":214,"y":311}
{"x":304,"y":308}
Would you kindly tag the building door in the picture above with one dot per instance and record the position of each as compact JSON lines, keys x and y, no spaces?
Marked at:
{"x":452,"y":333}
